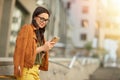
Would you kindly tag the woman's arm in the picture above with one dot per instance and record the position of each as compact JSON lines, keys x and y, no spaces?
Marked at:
{"x":39,"y":49}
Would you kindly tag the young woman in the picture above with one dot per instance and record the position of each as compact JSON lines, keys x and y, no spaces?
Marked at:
{"x":31,"y":51}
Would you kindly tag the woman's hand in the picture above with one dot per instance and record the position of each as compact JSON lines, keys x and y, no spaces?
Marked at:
{"x":46,"y":47}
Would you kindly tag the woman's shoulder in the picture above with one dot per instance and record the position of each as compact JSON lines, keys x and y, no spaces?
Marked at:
{"x":25,"y":29}
{"x":26,"y":26}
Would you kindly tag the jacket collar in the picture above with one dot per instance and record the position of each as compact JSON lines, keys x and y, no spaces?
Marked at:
{"x":34,"y":28}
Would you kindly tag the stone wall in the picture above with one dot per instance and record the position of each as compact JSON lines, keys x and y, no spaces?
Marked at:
{"x":80,"y":70}
{"x":59,"y":69}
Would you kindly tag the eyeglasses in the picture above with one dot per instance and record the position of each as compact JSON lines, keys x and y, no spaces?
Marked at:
{"x":42,"y":19}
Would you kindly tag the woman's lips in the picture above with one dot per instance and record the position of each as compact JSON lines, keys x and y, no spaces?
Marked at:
{"x":41,"y":24}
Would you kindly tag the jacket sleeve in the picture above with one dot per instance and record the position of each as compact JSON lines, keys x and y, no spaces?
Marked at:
{"x":19,"y":52}
{"x":44,"y":65}
{"x":45,"y":62}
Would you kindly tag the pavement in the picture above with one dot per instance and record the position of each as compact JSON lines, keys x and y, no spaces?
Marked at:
{"x":106,"y":73}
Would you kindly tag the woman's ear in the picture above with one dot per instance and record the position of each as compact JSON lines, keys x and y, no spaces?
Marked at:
{"x":35,"y":18}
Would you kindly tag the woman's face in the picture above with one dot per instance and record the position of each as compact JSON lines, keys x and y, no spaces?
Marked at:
{"x":42,"y":19}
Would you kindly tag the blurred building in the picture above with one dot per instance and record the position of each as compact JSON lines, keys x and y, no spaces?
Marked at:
{"x":13,"y":14}
{"x":108,"y":19}
{"x":82,"y":16}
{"x":108,"y":23}
{"x":93,"y":19}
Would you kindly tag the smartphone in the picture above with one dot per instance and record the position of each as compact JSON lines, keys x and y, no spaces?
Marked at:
{"x":55,"y":39}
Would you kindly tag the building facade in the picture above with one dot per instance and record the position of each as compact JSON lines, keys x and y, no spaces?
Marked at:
{"x":82,"y":16}
{"x":108,"y":21}
{"x":93,"y":20}
{"x":13,"y":14}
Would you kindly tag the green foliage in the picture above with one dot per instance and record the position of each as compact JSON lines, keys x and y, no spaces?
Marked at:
{"x":88,"y":46}
{"x":95,"y":56}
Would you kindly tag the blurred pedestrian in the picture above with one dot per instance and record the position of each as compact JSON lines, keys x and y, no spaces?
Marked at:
{"x":31,"y":51}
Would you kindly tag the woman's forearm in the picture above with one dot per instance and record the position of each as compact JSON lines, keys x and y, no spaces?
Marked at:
{"x":46,"y":47}
{"x":39,"y":49}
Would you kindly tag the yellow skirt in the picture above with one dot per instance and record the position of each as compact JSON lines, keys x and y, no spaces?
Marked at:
{"x":30,"y":74}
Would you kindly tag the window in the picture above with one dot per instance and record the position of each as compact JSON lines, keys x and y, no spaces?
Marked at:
{"x":68,"y":5}
{"x":84,"y":23}
{"x":85,"y":9}
{"x":83,"y":36}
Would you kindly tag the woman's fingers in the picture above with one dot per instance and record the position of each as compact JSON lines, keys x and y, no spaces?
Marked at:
{"x":49,"y":45}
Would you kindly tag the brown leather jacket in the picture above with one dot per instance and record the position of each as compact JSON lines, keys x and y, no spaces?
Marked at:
{"x":25,"y":50}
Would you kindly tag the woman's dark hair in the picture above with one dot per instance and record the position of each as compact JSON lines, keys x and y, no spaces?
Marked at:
{"x":39,"y":31}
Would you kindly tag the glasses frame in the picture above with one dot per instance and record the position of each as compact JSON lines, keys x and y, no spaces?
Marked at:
{"x":42,"y":19}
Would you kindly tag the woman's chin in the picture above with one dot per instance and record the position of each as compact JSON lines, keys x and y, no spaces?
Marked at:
{"x":41,"y":26}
